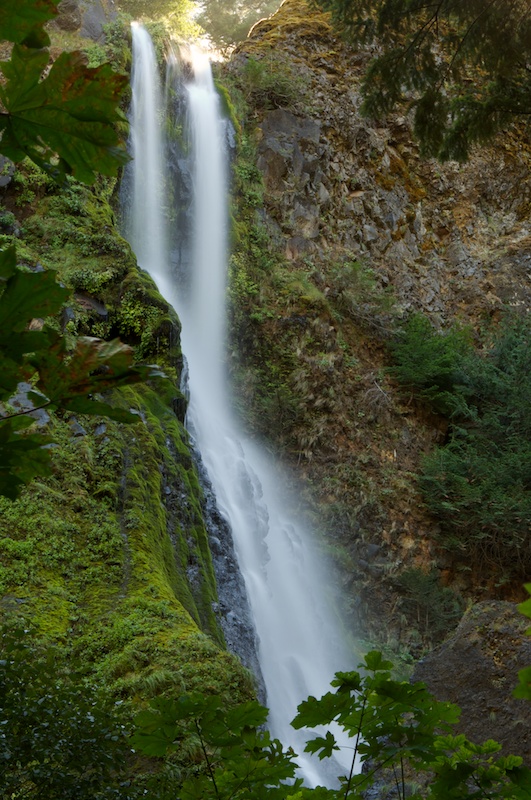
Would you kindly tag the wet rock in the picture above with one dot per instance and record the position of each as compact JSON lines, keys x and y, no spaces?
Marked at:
{"x":76,"y":428}
{"x":91,"y":304}
{"x":7,"y":170}
{"x":477,"y":669}
{"x":21,"y":403}
{"x":234,"y":613}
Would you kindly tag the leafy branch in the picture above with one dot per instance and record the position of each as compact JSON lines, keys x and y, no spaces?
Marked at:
{"x":61,"y":116}
{"x":399,"y":728}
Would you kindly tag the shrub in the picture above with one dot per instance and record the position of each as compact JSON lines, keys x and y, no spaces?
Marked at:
{"x":430,"y":363}
{"x":437,"y":609}
{"x":60,"y":739}
{"x":270,"y":83}
{"x":395,"y":729}
{"x":479,"y":482}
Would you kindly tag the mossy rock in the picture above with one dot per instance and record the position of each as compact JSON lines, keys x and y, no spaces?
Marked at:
{"x":108,"y":557}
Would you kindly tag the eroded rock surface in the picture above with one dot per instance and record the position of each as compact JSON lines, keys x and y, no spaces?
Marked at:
{"x":477,"y":669}
{"x":449,"y":240}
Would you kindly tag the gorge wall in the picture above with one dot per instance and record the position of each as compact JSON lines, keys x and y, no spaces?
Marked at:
{"x":340,"y":230}
{"x":349,"y":232}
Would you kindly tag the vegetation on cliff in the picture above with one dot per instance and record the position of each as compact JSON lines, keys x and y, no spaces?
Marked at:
{"x":106,"y":554}
{"x":461,"y":67}
{"x":346,"y":240}
{"x":478,"y":483}
{"x":402,"y":736}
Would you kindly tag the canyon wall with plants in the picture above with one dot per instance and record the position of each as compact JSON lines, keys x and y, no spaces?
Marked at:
{"x":380,"y":331}
{"x":379,"y":343}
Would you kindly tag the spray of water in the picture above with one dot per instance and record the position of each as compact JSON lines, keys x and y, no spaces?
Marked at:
{"x":300,"y":647}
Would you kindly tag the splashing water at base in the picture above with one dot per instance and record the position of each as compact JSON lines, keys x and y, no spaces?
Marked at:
{"x":300,"y":646}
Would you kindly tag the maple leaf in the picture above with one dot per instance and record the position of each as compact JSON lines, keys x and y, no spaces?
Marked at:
{"x":22,"y":21}
{"x":66,"y":121}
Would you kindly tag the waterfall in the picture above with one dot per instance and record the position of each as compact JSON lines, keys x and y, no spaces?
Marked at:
{"x":145,"y":225}
{"x":300,"y":646}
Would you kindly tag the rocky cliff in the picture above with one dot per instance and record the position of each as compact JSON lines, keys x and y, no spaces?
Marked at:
{"x":348,"y":232}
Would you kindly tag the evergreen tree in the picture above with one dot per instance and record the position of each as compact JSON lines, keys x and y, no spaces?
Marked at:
{"x":464,"y":67}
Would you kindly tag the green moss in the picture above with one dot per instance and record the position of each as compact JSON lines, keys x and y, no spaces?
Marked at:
{"x":97,"y":556}
{"x":229,"y":108}
{"x":109,"y":556}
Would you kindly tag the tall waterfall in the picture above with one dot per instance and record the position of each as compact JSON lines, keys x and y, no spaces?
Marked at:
{"x":300,"y":647}
{"x":146,"y":227}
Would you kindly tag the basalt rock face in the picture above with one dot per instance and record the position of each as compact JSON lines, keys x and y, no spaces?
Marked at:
{"x":69,"y":16}
{"x":87,"y":17}
{"x":477,"y":668}
{"x":448,"y":240}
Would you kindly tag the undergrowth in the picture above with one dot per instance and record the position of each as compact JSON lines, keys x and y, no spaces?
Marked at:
{"x":479,"y":482}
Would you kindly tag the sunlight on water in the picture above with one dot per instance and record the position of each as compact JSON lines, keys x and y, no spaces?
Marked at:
{"x":300,"y":643}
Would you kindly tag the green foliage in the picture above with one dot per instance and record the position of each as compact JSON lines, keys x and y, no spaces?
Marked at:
{"x":479,"y":483}
{"x":462,"y":66}
{"x":62,"y":118}
{"x":228,"y":23}
{"x":116,"y":48}
{"x":436,"y":609}
{"x":397,"y":728}
{"x":431,"y":363}
{"x":31,"y":182}
{"x":22,"y":21}
{"x":269,"y":82}
{"x":60,"y":738}
{"x":240,"y":760}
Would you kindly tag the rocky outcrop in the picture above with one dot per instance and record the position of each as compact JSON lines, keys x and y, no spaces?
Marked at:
{"x":87,"y":17}
{"x":96,"y":14}
{"x":448,"y":240}
{"x":477,"y":669}
{"x":69,"y":16}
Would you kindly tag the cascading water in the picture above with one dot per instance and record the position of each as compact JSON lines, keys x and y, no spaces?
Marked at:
{"x":299,"y":644}
{"x":145,"y":225}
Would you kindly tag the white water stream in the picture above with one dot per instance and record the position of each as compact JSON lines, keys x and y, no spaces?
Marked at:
{"x":300,"y":646}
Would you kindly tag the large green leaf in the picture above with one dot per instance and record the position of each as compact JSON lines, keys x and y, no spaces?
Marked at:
{"x":8,"y":263}
{"x":64,"y":122}
{"x":27,"y":296}
{"x":70,"y":379}
{"x":22,"y":20}
{"x":11,"y":374}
